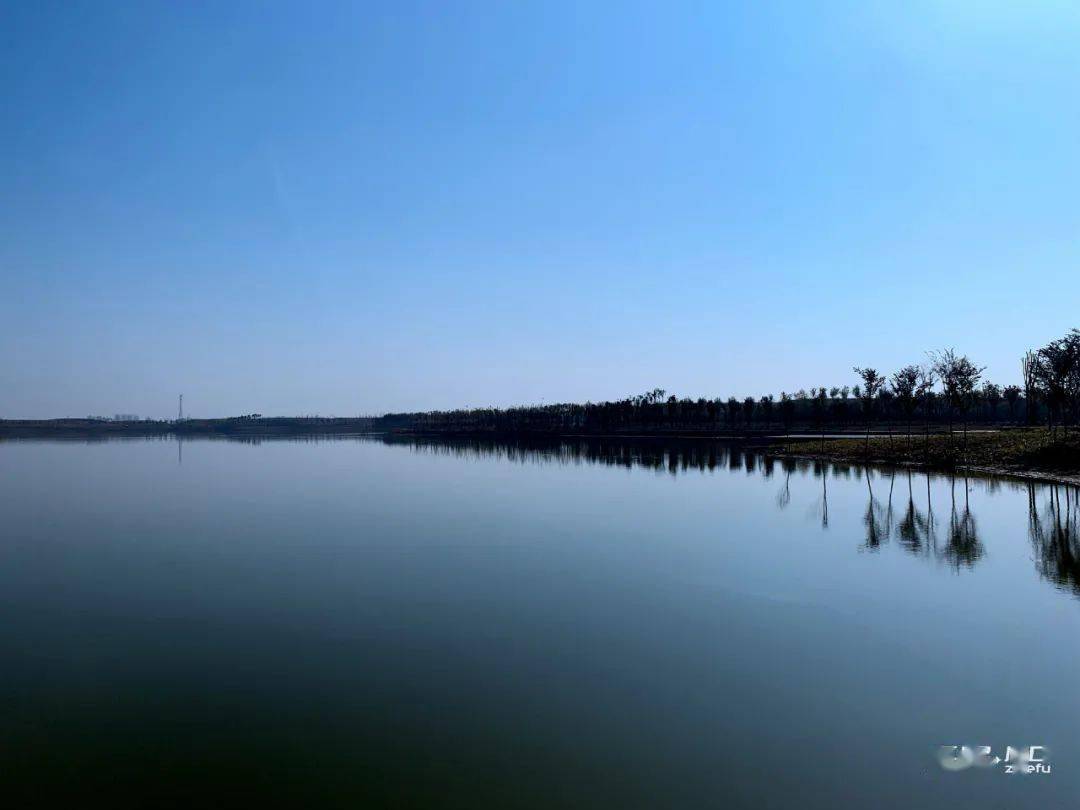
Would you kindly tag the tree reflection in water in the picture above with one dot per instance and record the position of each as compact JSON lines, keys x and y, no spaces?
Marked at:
{"x":821,"y":508}
{"x":1054,"y":533}
{"x":1053,"y":509}
{"x":874,"y":519}
{"x":963,"y":547}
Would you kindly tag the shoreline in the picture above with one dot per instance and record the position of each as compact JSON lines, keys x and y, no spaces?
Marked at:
{"x":1017,"y":473}
{"x":1029,"y":454}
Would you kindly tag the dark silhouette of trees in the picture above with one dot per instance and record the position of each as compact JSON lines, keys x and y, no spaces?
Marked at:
{"x":927,"y":381}
{"x":991,"y":395}
{"x":1029,"y":369}
{"x":885,"y":399}
{"x":733,"y":409}
{"x":1012,"y":396}
{"x":948,"y":388}
{"x":767,"y":409}
{"x":1057,"y":374}
{"x":802,"y":403}
{"x":787,"y":410}
{"x":821,"y":398}
{"x":671,"y":410}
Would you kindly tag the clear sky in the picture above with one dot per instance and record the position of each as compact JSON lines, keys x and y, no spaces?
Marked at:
{"x":346,"y":208}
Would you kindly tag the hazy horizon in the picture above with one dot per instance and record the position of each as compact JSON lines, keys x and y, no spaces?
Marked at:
{"x":378,"y":207}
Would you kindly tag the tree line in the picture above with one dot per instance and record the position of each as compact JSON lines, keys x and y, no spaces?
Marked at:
{"x":946,"y":390}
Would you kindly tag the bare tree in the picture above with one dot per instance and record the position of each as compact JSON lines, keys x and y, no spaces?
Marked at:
{"x":821,"y":397}
{"x":925,"y":392}
{"x":1029,"y":367}
{"x":872,"y":384}
{"x":905,"y":384}
{"x":960,"y":379}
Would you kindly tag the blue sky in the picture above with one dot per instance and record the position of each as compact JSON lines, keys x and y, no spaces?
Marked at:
{"x":352,"y":208}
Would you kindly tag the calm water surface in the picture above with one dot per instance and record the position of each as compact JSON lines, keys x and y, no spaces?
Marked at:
{"x":358,"y":623}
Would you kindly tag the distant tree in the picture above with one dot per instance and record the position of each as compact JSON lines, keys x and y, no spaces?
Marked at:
{"x":1073,"y":341}
{"x":960,"y":379}
{"x":885,"y":399}
{"x":767,"y":409}
{"x":834,"y":398}
{"x":1058,"y":373}
{"x":991,"y":395}
{"x":1051,"y":379}
{"x":787,"y":410}
{"x":969,"y":375}
{"x":1012,"y":396}
{"x":802,"y":403}
{"x":872,"y":383}
{"x":927,"y":381}
{"x":943,"y":367}
{"x":1074,"y":379}
{"x":1029,"y":368}
{"x":905,"y":385}
{"x":733,"y":409}
{"x":821,"y":399}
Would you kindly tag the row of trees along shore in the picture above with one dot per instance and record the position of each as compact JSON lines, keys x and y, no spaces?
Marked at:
{"x":948,"y":390}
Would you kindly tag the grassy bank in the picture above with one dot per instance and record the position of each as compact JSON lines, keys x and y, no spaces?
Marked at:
{"x":1028,"y":451}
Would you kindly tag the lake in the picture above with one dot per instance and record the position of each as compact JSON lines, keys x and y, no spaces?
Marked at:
{"x":366,"y":622}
